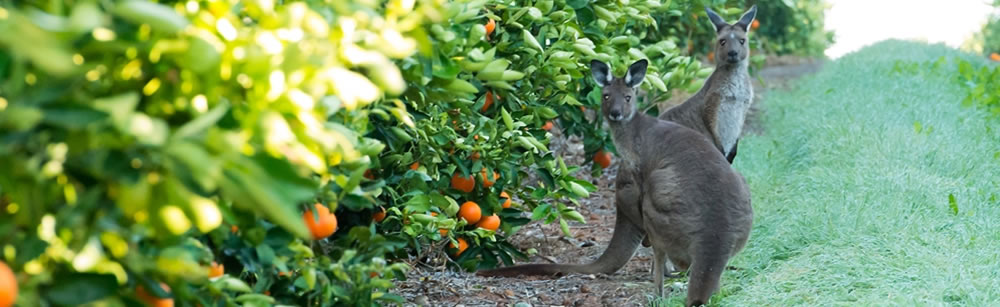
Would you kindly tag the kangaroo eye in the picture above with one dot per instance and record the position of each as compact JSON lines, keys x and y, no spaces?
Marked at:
{"x":628,"y":98}
{"x":722,"y":42}
{"x":606,"y":97}
{"x":742,"y":41}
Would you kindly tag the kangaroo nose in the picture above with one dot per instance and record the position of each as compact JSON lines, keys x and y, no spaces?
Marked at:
{"x":733,"y":53}
{"x":615,"y":113}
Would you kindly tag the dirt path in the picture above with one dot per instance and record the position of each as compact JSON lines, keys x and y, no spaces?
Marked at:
{"x":628,"y":287}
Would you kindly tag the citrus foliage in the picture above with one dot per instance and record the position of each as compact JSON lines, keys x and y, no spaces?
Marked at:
{"x":254,"y":152}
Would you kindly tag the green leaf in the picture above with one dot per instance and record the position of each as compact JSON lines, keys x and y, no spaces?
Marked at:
{"x":577,"y":4}
{"x":953,"y":204}
{"x":72,"y":116}
{"x":80,"y":288}
{"x":540,"y":212}
{"x":159,"y":17}
{"x":29,"y":249}
{"x":203,"y":122}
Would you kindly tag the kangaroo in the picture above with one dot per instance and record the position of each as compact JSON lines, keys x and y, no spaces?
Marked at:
{"x":718,"y":110}
{"x":673,"y":185}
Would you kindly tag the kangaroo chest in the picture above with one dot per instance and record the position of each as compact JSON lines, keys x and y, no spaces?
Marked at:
{"x":735,"y":99}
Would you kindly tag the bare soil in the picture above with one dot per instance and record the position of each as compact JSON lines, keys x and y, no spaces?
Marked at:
{"x":437,"y":286}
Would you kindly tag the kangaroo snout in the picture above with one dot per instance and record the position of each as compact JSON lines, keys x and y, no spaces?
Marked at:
{"x":615,"y":114}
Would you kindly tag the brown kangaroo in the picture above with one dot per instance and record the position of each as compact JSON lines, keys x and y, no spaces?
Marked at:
{"x":673,"y":185}
{"x":718,"y":110}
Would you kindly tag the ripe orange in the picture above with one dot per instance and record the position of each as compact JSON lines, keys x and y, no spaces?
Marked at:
{"x":491,"y":222}
{"x":755,"y":25}
{"x":443,"y":231}
{"x":470,"y":212}
{"x":464,"y":184}
{"x":8,"y":285}
{"x":603,"y":159}
{"x":152,"y":300}
{"x":548,"y":125}
{"x":474,"y":156}
{"x":216,"y":270}
{"x":711,"y":56}
{"x":368,"y":174}
{"x":234,"y":229}
{"x":488,"y":103}
{"x":486,"y":182}
{"x":462,"y":246}
{"x":380,"y":215}
{"x":995,"y":56}
{"x":490,"y":26}
{"x":415,"y":165}
{"x":323,"y":224}
{"x":506,"y":203}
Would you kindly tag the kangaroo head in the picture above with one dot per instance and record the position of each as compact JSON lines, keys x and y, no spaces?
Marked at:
{"x":618,"y":94}
{"x":731,"y":47}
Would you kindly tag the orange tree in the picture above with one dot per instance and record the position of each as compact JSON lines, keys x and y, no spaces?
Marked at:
{"x":143,"y":141}
{"x":132,"y":131}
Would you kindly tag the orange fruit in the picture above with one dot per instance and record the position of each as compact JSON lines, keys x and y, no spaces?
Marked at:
{"x":488,"y":103}
{"x":755,"y":24}
{"x":491,"y":222}
{"x":372,"y":274}
{"x":462,"y":246}
{"x":464,"y":184}
{"x":415,"y":165}
{"x":152,"y":300}
{"x":380,"y":215}
{"x":603,"y":159}
{"x":711,"y":56}
{"x":994,"y":56}
{"x":234,"y":229}
{"x":443,"y":231}
{"x":470,"y":212}
{"x":548,"y":125}
{"x":323,"y":224}
{"x":490,"y":26}
{"x":474,"y":156}
{"x":8,"y":285}
{"x":368,"y":174}
{"x":506,"y":203}
{"x":216,"y":270}
{"x":475,"y":137}
{"x":486,"y":182}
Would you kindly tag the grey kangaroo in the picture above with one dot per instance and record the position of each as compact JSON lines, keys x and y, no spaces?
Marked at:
{"x":673,"y":185}
{"x":719,"y":108}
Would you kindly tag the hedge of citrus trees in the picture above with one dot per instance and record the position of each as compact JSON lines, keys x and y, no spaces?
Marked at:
{"x":987,"y":40}
{"x":221,"y":152}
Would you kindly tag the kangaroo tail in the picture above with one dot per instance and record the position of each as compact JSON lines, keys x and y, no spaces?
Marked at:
{"x":624,"y":242}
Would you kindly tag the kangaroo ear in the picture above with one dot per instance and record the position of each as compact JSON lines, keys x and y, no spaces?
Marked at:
{"x":601,"y":72}
{"x":747,"y":19}
{"x":636,"y":73}
{"x":717,"y":20}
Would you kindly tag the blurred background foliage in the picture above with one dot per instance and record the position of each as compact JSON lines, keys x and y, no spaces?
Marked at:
{"x":987,"y":40}
{"x":154,"y":151}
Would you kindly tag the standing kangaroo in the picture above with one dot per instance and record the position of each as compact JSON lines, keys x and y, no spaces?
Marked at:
{"x":674,"y":185}
{"x":719,"y":108}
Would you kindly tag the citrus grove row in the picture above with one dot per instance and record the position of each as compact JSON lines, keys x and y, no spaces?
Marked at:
{"x":222,"y":152}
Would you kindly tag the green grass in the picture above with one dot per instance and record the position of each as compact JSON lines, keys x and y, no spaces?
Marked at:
{"x":851,"y":199}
